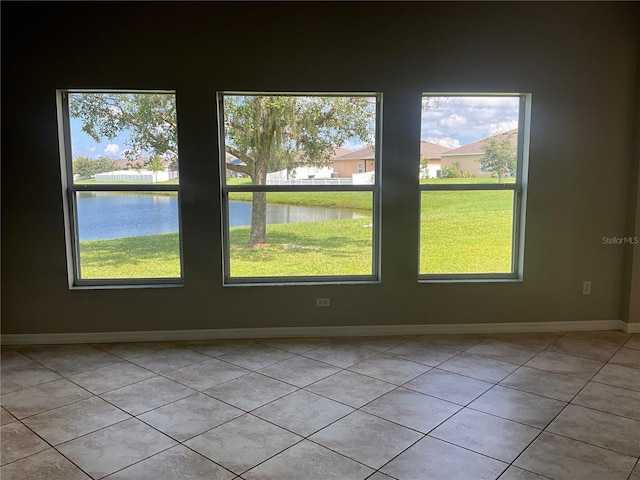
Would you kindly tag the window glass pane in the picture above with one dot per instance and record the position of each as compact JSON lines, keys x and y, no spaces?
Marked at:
{"x":128,"y":234}
{"x":123,"y":138}
{"x":469,"y":139}
{"x":283,"y":139}
{"x":300,"y":141}
{"x":466,"y":232}
{"x":310,"y":234}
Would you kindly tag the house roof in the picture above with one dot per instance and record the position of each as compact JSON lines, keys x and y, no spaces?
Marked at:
{"x":338,"y":152}
{"x":431,"y":150}
{"x":477,"y":148}
{"x":362,"y":154}
{"x":427,"y":149}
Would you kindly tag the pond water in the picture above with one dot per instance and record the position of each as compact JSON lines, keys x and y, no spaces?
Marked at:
{"x":240,"y":214}
{"x":105,"y":215}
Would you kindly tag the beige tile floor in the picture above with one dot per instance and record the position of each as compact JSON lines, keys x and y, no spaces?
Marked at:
{"x":460,"y":407}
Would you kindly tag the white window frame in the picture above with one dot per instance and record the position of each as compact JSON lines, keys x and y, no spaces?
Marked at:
{"x":519,"y":189}
{"x":374,"y":188}
{"x":70,"y":189}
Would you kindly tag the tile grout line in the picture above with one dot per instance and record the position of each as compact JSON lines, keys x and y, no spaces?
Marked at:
{"x":558,"y":414}
{"x":342,"y":370}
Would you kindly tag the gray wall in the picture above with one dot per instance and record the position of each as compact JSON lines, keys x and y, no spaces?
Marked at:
{"x":631,"y":284}
{"x":579,"y":60}
{"x":632,"y":292}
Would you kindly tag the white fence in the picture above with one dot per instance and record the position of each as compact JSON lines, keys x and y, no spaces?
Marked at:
{"x":366,"y":178}
{"x":132,"y":176}
{"x":312,"y":172}
{"x":274,"y":178}
{"x":310,"y":181}
{"x":317,"y":177}
{"x":280,"y":178}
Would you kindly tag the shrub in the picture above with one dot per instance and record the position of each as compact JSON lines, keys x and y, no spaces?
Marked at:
{"x":454,"y":172}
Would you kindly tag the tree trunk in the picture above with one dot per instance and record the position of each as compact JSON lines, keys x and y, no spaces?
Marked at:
{"x":258,"y":235}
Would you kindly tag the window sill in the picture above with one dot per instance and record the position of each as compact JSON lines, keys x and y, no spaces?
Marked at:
{"x":126,"y":286}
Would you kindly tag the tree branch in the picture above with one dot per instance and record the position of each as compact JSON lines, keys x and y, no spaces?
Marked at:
{"x":234,"y":124}
{"x":324,"y":118}
{"x":238,"y":168}
{"x":240,"y":155}
{"x":167,"y":120}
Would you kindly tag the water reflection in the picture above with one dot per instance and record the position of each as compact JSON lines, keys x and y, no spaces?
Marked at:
{"x":105,"y":215}
{"x":240,"y":214}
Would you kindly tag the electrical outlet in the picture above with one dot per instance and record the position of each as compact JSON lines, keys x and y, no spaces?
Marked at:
{"x":323,"y":302}
{"x":586,"y":287}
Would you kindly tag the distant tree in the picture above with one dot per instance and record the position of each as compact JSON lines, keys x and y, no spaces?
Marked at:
{"x":155,"y":164}
{"x":499,"y":155}
{"x":432,"y":103}
{"x":83,"y":166}
{"x":424,"y":166}
{"x":86,"y":167}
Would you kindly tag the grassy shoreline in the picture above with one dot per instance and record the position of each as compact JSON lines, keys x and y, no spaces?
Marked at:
{"x":460,"y":232}
{"x":345,"y":200}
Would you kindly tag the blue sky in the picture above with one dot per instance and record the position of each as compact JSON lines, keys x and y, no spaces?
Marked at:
{"x":85,"y":146}
{"x":456,"y":121}
{"x":453,"y":122}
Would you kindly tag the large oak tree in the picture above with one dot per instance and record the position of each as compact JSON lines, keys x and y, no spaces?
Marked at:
{"x":266,"y":133}
{"x":148,"y":119}
{"x":272,"y":133}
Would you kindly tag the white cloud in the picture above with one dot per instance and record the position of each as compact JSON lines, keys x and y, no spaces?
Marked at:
{"x":453,"y":121}
{"x":112,"y":149}
{"x":354,"y":145}
{"x":504,"y":126}
{"x":445,"y":141}
{"x":468,"y":119}
{"x":82,"y":150}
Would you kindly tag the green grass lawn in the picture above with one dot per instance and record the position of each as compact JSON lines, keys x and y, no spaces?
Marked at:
{"x":335,"y":247}
{"x":465,"y":181}
{"x":466,"y":232}
{"x":147,"y":256}
{"x":461,"y":232}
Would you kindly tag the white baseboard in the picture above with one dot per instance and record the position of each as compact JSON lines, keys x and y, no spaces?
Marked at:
{"x":335,"y":331}
{"x":632,"y":327}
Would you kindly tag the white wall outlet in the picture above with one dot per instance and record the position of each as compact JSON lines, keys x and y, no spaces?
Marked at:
{"x":323,"y":302}
{"x":586,"y":287}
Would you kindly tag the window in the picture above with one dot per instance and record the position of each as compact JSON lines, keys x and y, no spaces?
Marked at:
{"x":472,"y":186}
{"x":288,"y":215}
{"x":121,"y":185}
{"x":360,"y":168}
